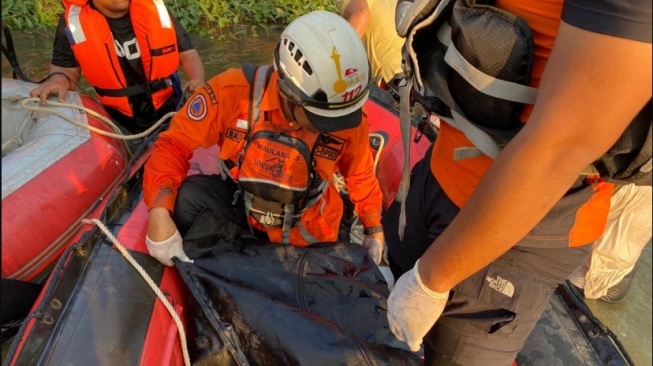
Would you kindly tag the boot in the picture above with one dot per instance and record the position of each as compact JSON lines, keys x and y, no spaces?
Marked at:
{"x":619,"y":291}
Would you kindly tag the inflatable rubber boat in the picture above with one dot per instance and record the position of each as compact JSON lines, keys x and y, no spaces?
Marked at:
{"x":246,"y":302}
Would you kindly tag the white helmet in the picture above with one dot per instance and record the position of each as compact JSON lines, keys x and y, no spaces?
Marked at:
{"x":323,"y":67}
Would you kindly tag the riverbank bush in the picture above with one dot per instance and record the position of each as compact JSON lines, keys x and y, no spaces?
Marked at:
{"x":198,"y":16}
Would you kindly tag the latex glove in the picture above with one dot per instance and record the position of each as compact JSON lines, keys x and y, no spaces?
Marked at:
{"x":374,"y":246}
{"x":164,"y":250}
{"x":413,"y":308}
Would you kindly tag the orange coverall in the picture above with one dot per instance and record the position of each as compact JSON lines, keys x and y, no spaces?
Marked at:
{"x":217,"y":114}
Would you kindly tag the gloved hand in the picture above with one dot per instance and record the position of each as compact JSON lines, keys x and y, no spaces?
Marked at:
{"x":374,"y":245}
{"x":413,"y":308}
{"x":164,"y":250}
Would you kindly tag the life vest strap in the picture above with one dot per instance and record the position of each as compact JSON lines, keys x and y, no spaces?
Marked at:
{"x":147,"y":88}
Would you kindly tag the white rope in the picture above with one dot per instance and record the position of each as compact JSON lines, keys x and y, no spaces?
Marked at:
{"x":16,"y":139}
{"x":146,"y":277}
{"x":117,"y":135}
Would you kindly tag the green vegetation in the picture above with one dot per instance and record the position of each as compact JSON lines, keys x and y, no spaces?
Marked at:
{"x":198,"y":16}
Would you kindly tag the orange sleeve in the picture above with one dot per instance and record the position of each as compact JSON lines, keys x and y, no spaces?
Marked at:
{"x":197,"y":123}
{"x":357,"y":167}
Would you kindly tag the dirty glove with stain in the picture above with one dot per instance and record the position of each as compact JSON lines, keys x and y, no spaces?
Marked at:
{"x":413,"y":308}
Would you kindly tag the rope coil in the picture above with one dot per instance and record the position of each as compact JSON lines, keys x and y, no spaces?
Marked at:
{"x":25,"y":103}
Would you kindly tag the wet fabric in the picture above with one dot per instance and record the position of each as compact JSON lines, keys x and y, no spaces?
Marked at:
{"x":270,"y":304}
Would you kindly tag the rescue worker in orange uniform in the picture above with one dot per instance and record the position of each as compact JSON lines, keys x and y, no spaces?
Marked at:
{"x":129,"y":51}
{"x":486,"y":241}
{"x":278,"y":162}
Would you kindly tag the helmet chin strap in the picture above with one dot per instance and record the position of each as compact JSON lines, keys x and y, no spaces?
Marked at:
{"x":289,"y":108}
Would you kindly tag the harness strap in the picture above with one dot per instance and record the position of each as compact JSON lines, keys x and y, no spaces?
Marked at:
{"x":404,"y":127}
{"x":483,"y":82}
{"x":225,"y":170}
{"x":260,"y":83}
{"x":287,"y":223}
{"x":306,"y":235}
{"x":483,"y":142}
{"x":316,"y":193}
{"x":147,"y":88}
{"x":409,"y":56}
{"x":258,"y":79}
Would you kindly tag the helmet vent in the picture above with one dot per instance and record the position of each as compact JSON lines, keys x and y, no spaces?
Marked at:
{"x":307,"y":68}
{"x":298,"y":56}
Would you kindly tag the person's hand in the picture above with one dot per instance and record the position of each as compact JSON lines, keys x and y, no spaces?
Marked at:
{"x":163,"y":239}
{"x":55,"y":85}
{"x":373,"y":243}
{"x":413,"y":308}
{"x":193,"y":84}
{"x":163,"y":251}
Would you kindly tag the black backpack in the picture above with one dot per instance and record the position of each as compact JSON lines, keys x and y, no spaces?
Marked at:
{"x":629,"y":159}
{"x":497,"y":45}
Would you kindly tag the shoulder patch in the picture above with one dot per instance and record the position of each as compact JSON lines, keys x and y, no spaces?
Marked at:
{"x":197,"y":108}
{"x":328,"y":146}
{"x":210,"y":93}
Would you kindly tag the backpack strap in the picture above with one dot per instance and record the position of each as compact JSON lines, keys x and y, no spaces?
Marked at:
{"x":258,"y":78}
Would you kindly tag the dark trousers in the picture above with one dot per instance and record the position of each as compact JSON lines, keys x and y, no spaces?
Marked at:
{"x":208,"y":192}
{"x":490,"y":314}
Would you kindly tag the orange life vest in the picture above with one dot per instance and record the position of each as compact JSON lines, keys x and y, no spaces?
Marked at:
{"x":93,"y":45}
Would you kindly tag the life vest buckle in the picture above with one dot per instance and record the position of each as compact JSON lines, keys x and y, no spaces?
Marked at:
{"x":267,"y":219}
{"x":159,"y":84}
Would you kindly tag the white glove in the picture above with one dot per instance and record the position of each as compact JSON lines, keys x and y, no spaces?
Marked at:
{"x":413,"y":308}
{"x":163,"y":251}
{"x":374,"y":248}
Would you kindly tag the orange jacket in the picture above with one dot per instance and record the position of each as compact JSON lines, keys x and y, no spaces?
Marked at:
{"x":94,"y":49}
{"x":459,"y":178}
{"x":211,"y":116}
